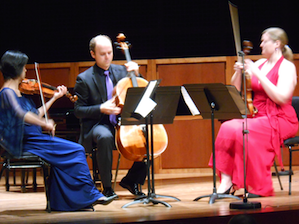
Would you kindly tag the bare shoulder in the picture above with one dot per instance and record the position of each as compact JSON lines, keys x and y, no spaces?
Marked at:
{"x":260,"y":61}
{"x":287,"y":65}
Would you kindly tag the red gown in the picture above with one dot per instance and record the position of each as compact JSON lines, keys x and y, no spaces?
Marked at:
{"x":267,"y":130}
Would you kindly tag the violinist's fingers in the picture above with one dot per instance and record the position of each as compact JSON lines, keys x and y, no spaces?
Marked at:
{"x":238,"y":66}
{"x":61,"y":91}
{"x":53,"y":130}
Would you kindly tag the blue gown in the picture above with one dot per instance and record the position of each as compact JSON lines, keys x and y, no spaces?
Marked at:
{"x":71,"y":187}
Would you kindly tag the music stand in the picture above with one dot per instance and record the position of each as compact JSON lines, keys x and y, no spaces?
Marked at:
{"x":216,"y":100}
{"x":166,"y":98}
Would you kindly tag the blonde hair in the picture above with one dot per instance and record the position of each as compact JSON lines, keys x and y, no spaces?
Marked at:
{"x":276,"y":33}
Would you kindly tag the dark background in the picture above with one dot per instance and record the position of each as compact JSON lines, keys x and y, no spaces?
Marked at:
{"x":59,"y":31}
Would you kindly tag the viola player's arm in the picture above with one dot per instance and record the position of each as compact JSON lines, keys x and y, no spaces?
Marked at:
{"x":287,"y":81}
{"x":61,"y":91}
{"x":236,"y":79}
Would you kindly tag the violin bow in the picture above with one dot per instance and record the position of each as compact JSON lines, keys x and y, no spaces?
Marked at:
{"x":236,"y":28}
{"x":40,"y":89}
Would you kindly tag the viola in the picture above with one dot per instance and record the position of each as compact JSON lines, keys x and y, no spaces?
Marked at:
{"x":130,"y":139}
{"x":30,"y":87}
{"x":247,"y":47}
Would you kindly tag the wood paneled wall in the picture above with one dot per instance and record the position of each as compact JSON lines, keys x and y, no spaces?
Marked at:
{"x":190,"y":140}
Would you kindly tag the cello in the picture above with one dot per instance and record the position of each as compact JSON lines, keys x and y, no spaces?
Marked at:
{"x":130,"y":140}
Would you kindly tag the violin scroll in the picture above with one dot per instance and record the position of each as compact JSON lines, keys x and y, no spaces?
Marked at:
{"x":247,"y":47}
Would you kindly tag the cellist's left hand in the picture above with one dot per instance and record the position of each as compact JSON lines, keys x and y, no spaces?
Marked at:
{"x":132,"y":66}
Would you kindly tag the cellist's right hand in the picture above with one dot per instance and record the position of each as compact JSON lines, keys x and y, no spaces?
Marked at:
{"x":109,"y":107}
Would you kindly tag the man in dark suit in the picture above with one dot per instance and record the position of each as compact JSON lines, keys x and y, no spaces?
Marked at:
{"x":93,"y":108}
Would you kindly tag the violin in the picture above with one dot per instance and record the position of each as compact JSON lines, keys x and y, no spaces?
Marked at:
{"x":30,"y":87}
{"x":247,"y":47}
{"x":130,"y":139}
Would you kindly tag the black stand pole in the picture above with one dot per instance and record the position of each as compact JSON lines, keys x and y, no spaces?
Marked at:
{"x":215,"y":195}
{"x":244,"y":204}
{"x":151,"y":195}
{"x":165,"y":97}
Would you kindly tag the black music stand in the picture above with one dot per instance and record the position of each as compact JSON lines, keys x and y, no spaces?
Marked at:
{"x":216,"y":100}
{"x":166,"y":99}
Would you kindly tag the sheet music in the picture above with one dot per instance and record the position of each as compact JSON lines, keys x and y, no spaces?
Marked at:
{"x":146,"y":104}
{"x":193,"y":109}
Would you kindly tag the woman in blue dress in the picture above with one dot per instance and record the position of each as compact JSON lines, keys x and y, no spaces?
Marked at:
{"x":71,"y":187}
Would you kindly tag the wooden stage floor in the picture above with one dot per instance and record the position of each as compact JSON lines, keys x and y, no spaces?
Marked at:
{"x":29,"y":207}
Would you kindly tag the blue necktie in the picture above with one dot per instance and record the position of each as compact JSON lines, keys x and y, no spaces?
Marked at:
{"x":109,"y":87}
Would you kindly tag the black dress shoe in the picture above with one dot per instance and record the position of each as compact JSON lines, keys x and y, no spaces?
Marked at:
{"x":133,"y":188}
{"x":108,"y":192}
{"x":105,"y":200}
{"x":230,"y":190}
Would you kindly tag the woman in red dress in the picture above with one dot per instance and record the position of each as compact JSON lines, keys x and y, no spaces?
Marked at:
{"x":273,"y":81}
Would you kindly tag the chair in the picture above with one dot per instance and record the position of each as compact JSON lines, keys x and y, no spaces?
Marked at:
{"x":292,"y":143}
{"x":95,"y":170}
{"x":27,"y":161}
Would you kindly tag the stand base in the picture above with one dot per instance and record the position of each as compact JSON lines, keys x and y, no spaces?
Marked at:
{"x":283,"y":173}
{"x":150,"y":198}
{"x":215,"y":196}
{"x":245,"y":205}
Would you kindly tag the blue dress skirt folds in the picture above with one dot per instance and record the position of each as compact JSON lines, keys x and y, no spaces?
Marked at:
{"x":70,"y":187}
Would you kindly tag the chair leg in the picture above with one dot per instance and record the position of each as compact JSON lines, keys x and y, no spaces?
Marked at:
{"x":278,"y":176}
{"x":46,"y":178}
{"x":7,"y":179}
{"x":116,"y":172}
{"x":23,"y":186}
{"x":14,"y":177}
{"x":94,"y":166}
{"x":290,"y":170}
{"x":34,"y":184}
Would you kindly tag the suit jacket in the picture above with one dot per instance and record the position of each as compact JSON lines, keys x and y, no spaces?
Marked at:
{"x":90,"y":88}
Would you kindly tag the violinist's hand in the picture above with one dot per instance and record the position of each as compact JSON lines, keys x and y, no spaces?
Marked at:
{"x":132,"y":66}
{"x":50,"y":126}
{"x":109,"y":107}
{"x":251,"y":68}
{"x":61,"y":92}
{"x":238,"y":66}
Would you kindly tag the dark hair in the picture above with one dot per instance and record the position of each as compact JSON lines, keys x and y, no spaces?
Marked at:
{"x":12,"y":64}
